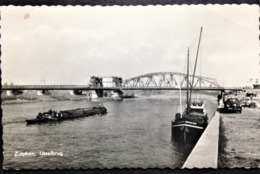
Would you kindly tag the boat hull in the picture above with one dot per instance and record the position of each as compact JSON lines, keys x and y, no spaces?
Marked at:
{"x":37,"y":121}
{"x":185,"y":132}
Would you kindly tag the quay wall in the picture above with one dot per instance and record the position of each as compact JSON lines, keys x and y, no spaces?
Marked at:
{"x":205,"y":152}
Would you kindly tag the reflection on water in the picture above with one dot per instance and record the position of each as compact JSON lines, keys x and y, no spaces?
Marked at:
{"x":134,"y":133}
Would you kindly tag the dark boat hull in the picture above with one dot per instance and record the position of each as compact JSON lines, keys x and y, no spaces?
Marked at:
{"x":37,"y":121}
{"x":128,"y":96}
{"x":186,"y":132}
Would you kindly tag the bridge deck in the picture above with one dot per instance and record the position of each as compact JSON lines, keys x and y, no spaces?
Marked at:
{"x":86,"y":87}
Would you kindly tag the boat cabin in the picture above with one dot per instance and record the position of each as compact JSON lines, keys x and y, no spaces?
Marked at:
{"x":198,"y":106}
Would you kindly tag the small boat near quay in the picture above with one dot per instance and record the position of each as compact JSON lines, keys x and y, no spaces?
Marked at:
{"x":53,"y":116}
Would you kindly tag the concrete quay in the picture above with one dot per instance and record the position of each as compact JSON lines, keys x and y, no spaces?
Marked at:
{"x":205,"y":152}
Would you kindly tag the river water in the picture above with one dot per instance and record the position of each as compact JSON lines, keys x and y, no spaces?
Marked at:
{"x":134,"y":133}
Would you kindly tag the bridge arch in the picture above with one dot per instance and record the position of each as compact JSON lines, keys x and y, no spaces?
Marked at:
{"x":169,"y":79}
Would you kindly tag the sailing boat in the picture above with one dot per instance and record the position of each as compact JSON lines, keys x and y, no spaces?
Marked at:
{"x":189,"y":125}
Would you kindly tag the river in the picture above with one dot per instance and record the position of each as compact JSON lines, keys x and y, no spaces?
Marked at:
{"x":134,"y":133}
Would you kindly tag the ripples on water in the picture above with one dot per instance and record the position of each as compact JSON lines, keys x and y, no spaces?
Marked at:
{"x":134,"y":133}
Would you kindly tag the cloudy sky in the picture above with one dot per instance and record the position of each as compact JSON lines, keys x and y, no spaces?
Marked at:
{"x":68,"y":45}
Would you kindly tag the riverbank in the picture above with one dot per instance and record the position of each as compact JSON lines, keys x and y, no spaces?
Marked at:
{"x":36,"y":96}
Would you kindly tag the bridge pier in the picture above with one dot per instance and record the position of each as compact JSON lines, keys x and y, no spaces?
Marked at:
{"x":114,"y":94}
{"x":46,"y":92}
{"x":71,"y":92}
{"x":93,"y":94}
{"x":119,"y":93}
{"x":99,"y":93}
{"x":77,"y":92}
{"x":17,"y":92}
{"x":9,"y":93}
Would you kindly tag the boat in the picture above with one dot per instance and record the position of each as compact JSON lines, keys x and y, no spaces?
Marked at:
{"x":127,"y":96}
{"x":53,"y":116}
{"x":116,"y":95}
{"x":112,"y":96}
{"x":190,"y":124}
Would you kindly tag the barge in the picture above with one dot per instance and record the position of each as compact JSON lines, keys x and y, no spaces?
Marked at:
{"x":53,"y":116}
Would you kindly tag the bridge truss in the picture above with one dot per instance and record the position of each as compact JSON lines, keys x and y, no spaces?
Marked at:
{"x":151,"y":81}
{"x":169,"y":79}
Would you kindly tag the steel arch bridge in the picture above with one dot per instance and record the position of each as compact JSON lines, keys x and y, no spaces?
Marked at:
{"x":151,"y":81}
{"x":169,"y":79}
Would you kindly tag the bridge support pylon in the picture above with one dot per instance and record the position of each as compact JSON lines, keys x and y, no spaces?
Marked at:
{"x":99,"y":93}
{"x":77,"y":92}
{"x":93,"y":94}
{"x":17,"y":92}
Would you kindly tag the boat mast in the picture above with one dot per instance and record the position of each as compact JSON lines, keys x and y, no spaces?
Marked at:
{"x":195,"y":63}
{"x":188,"y":105}
{"x":180,"y":98}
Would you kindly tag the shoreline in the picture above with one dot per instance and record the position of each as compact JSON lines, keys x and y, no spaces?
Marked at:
{"x":20,"y":99}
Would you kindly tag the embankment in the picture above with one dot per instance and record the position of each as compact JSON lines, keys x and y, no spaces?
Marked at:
{"x":205,"y":152}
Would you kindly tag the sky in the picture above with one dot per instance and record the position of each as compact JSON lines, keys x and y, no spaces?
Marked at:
{"x":68,"y":45}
